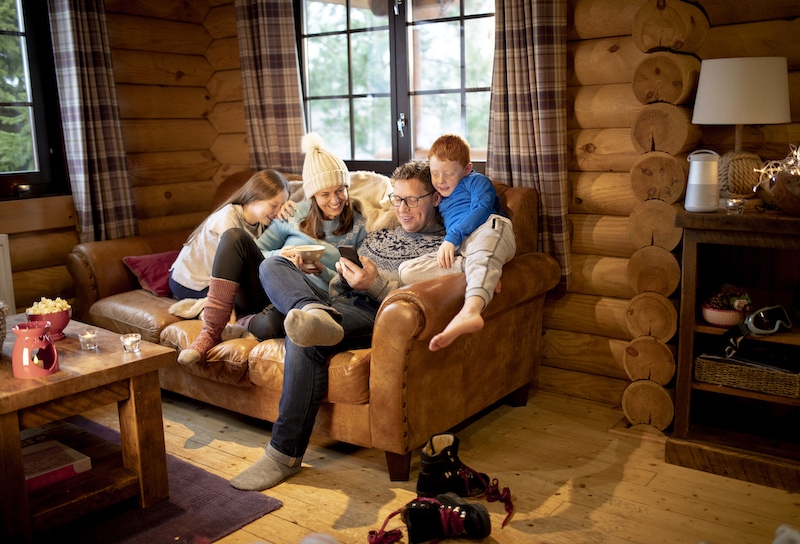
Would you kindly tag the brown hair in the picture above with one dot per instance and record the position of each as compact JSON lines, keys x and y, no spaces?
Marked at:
{"x":312,"y":225}
{"x":450,"y":147}
{"x":262,"y":185}
{"x":414,"y":170}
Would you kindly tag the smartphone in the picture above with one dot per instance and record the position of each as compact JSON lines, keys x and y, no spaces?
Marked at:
{"x":349,"y":253}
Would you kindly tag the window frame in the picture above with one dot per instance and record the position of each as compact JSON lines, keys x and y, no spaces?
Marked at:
{"x":400,"y":26}
{"x":51,"y":177}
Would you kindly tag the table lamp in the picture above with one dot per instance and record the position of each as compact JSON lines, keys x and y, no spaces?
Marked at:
{"x":742,"y":91}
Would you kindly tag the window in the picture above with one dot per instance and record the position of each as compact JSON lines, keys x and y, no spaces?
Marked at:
{"x":382,"y":79}
{"x":32,"y":157}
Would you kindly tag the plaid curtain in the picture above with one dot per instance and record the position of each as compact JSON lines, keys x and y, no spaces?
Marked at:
{"x":90,"y":116}
{"x":271,"y":84}
{"x":528,"y":118}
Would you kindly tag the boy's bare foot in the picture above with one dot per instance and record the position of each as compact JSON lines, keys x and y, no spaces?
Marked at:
{"x":467,"y":320}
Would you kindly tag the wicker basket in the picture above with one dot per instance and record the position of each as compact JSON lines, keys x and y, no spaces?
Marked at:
{"x":3,"y":313}
{"x":773,"y":382}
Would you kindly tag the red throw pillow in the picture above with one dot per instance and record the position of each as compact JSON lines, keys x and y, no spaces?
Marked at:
{"x":152,"y":271}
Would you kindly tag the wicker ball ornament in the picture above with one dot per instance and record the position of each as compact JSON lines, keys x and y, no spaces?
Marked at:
{"x":738,"y":174}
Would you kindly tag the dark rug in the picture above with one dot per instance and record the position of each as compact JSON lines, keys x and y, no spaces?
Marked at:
{"x":202,"y":507}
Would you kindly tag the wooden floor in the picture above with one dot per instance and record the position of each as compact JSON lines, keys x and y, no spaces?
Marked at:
{"x":576,"y":476}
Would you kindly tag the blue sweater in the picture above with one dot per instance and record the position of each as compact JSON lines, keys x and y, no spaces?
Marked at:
{"x":469,"y":206}
{"x":284,"y":233}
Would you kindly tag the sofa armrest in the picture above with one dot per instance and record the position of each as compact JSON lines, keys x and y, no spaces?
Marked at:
{"x":97,"y":269}
{"x":425,"y":390}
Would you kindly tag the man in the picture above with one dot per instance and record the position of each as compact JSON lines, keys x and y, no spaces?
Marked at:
{"x":319,"y":324}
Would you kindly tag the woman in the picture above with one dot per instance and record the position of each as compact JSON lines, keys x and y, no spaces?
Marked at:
{"x":252,"y":208}
{"x":328,"y":218}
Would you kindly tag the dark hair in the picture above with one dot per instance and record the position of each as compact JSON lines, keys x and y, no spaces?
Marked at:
{"x":415,"y":169}
{"x":312,"y":225}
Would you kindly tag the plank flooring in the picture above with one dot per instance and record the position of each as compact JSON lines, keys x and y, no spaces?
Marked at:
{"x":576,"y":474}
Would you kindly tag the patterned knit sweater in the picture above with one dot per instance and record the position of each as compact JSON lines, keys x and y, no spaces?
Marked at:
{"x":388,"y":249}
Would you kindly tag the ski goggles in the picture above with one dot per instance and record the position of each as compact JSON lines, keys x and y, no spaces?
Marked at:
{"x":767,"y":320}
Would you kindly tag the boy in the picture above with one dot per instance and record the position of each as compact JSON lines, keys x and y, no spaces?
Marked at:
{"x":477,"y":228}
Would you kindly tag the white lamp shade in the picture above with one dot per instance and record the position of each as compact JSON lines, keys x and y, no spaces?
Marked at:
{"x":743,"y":91}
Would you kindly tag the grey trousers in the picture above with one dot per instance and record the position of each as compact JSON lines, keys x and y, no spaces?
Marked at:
{"x":481,"y":257}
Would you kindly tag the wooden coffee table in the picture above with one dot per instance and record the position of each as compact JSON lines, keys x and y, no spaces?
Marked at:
{"x":85,"y":380}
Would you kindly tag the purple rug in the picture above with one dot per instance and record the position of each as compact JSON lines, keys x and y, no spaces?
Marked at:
{"x":202,"y":507}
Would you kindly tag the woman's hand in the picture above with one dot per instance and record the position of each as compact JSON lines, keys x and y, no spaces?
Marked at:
{"x":289,"y":253}
{"x":446,"y":254}
{"x":357,"y":277}
{"x":287,"y":210}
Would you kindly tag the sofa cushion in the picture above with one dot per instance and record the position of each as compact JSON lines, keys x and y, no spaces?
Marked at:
{"x":348,"y":372}
{"x":152,"y":270}
{"x":224,"y":363}
{"x":133,"y":311}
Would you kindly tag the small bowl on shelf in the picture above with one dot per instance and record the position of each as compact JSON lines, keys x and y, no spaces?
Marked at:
{"x":722,"y":318}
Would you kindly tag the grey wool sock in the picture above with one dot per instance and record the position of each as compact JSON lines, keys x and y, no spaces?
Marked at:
{"x":265,"y":473}
{"x":312,"y":327}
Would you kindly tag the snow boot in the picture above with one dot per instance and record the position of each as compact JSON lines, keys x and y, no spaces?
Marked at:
{"x":441,"y":470}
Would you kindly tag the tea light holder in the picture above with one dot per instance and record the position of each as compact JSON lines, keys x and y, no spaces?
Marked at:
{"x":735,"y":206}
{"x":88,"y":339}
{"x":130,"y":342}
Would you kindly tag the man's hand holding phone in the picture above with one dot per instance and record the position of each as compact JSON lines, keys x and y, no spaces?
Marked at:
{"x":356,"y":273}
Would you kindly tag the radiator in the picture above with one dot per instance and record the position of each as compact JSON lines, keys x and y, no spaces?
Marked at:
{"x":6,"y":281}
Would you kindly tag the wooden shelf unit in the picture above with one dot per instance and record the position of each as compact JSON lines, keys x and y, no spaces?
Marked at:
{"x":738,"y":433}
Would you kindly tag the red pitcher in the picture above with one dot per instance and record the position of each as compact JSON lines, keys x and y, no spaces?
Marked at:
{"x":34,"y":355}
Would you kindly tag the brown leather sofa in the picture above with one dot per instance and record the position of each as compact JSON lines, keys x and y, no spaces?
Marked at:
{"x":393,"y":396}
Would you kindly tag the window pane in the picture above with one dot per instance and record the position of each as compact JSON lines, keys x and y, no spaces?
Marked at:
{"x":477,"y":7}
{"x":372,"y":116}
{"x":479,"y":57}
{"x":13,"y":83}
{"x":363,"y":16}
{"x":478,"y":124}
{"x":331,"y":120}
{"x":435,"y":56}
{"x":371,"y":62}
{"x":434,"y":115}
{"x":326,"y":58}
{"x":9,"y":16}
{"x":16,"y":140}
{"x":325,"y":16}
{"x":420,"y":10}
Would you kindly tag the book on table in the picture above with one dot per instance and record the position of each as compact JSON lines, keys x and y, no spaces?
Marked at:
{"x":47,"y":462}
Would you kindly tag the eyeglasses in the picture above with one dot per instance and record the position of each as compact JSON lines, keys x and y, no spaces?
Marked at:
{"x":411,"y":201}
{"x":768,"y":320}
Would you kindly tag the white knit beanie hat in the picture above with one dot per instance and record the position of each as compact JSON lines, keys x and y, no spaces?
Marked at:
{"x":321,"y":168}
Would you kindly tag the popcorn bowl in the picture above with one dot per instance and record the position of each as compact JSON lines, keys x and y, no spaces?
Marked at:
{"x":58,"y":322}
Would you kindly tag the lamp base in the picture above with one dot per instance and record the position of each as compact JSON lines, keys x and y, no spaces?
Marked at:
{"x":737,"y":174}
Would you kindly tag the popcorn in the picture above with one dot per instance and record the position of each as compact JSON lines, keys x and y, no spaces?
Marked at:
{"x":48,"y":306}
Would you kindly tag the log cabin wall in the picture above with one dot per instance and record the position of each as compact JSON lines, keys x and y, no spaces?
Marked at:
{"x":633,"y":67}
{"x":176,"y":65}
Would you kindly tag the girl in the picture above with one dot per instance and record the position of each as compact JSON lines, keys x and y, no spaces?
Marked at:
{"x":252,"y":208}
{"x":328,"y":218}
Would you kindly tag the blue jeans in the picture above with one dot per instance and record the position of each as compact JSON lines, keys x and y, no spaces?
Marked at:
{"x":305,"y":370}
